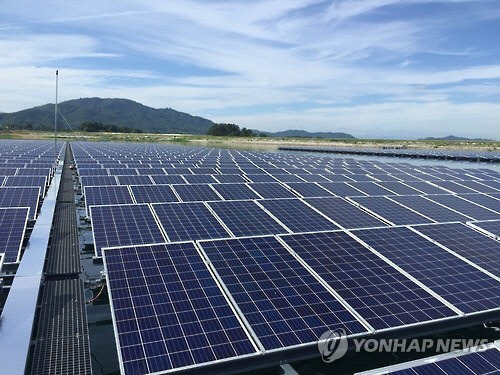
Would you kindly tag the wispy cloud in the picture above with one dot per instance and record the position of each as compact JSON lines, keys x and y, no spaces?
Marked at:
{"x":354,"y":61}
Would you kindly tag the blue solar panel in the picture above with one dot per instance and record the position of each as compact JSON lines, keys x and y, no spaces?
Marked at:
{"x":309,"y":189}
{"x":124,"y":225}
{"x":342,"y":189}
{"x":272,"y":190}
{"x":391,"y":211}
{"x":134,"y":180}
{"x":450,"y":277}
{"x":153,"y":193}
{"x":314,"y":178}
{"x":452,"y":187}
{"x":235,"y":191}
{"x":430,"y":209}
{"x":229,"y":178}
{"x":371,"y":188}
{"x":21,"y":197}
{"x":425,"y":187}
{"x":246,"y":218}
{"x":98,"y":181}
{"x":467,"y":242}
{"x":476,"y":185}
{"x":170,"y":179}
{"x":484,"y":200}
{"x":344,"y":213}
{"x":484,"y":362}
{"x":12,"y":227}
{"x":122,"y":172}
{"x":92,"y":172}
{"x":199,"y":179}
{"x":383,"y":296}
{"x":196,"y":193}
{"x":465,"y":207}
{"x":297,"y":215}
{"x":399,"y":188}
{"x":260,"y":178}
{"x":101,"y":195}
{"x":283,"y":303}
{"x":287,"y":178}
{"x":189,"y":221}
{"x":168,"y":311}
{"x":490,"y":226}
{"x":25,"y":181}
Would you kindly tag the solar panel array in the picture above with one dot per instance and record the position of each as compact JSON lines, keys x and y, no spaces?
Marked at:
{"x":281,"y":247}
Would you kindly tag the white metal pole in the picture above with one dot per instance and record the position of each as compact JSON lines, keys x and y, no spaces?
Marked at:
{"x":55,"y":118}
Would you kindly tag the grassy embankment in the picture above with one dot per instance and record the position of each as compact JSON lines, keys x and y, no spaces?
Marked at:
{"x":251,"y":142}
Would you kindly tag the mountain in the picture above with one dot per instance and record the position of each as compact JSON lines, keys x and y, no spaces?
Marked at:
{"x":454,"y":138}
{"x":306,"y":134}
{"x":120,"y":112}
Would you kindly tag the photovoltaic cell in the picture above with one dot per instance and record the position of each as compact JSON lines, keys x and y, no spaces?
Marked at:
{"x":454,"y":188}
{"x":473,"y":363}
{"x":21,"y":197}
{"x":168,"y":310}
{"x":383,"y":296}
{"x":102,"y":195}
{"x":450,"y":277}
{"x":196,"y":192}
{"x":189,"y":221}
{"x":465,"y":207}
{"x":344,"y":213}
{"x":391,"y":211}
{"x":134,"y":180}
{"x":484,"y":200}
{"x":98,"y":181}
{"x":399,"y":188}
{"x":430,"y":208}
{"x":478,"y":186}
{"x":371,"y":188}
{"x":342,"y":189}
{"x":283,"y":303}
{"x":24,"y":181}
{"x":272,"y":190}
{"x":235,"y":191}
{"x":123,"y":225}
{"x":229,"y":178}
{"x":309,"y":189}
{"x":467,"y":242}
{"x":199,"y":179}
{"x":12,"y":227}
{"x":153,"y":193}
{"x":492,"y":226}
{"x":297,"y":215}
{"x":170,"y":179}
{"x":246,"y":218}
{"x":425,"y":187}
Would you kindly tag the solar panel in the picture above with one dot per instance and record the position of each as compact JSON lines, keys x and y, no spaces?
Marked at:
{"x":178,"y":171}
{"x":153,"y":193}
{"x":21,"y":197}
{"x":170,"y":179}
{"x":308,"y":189}
{"x":98,"y":180}
{"x":383,"y":296}
{"x":156,"y":171}
{"x":390,"y":211}
{"x":297,"y":215}
{"x":471,"y":362}
{"x":272,"y":190}
{"x":452,"y":187}
{"x":229,"y":178}
{"x":189,"y":221}
{"x":371,"y":188}
{"x":360,"y":176}
{"x":490,"y":226}
{"x":134,"y":180}
{"x":199,"y":179}
{"x":12,"y":227}
{"x":25,"y":181}
{"x":122,"y":172}
{"x":338,"y":178}
{"x":399,"y":188}
{"x":196,"y":192}
{"x":123,"y":225}
{"x":478,"y":186}
{"x":34,"y":172}
{"x":342,"y":189}
{"x":168,"y":311}
{"x":314,"y":178}
{"x":466,"y":242}
{"x":8,"y":171}
{"x":102,"y":195}
{"x":246,"y":218}
{"x":484,"y":200}
{"x":260,"y":178}
{"x":450,"y":277}
{"x":92,"y":172}
{"x":283,"y":303}
{"x":344,"y":213}
{"x":430,"y":209}
{"x":465,"y":207}
{"x":287,"y":178}
{"x":235,"y":191}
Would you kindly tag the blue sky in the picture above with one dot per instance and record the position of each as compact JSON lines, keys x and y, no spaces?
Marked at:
{"x":372,"y":68}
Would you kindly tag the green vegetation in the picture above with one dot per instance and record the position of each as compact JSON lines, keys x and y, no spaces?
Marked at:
{"x":93,"y":126}
{"x":232,"y":130}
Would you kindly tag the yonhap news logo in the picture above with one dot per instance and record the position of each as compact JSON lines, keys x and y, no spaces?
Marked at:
{"x":333,"y":345}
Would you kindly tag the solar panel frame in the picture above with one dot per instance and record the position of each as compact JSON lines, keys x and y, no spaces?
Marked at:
{"x":308,"y":189}
{"x":465,"y":207}
{"x":140,"y":194}
{"x":122,"y":198}
{"x":485,"y":200}
{"x":239,"y":293}
{"x":17,"y":220}
{"x":342,"y":189}
{"x":110,"y":226}
{"x":18,"y":192}
{"x":196,"y":192}
{"x":134,"y":180}
{"x":489,"y":227}
{"x":271,"y":190}
{"x":369,"y":284}
{"x":213,"y":287}
{"x":179,"y":220}
{"x":238,"y":191}
{"x":468,"y":289}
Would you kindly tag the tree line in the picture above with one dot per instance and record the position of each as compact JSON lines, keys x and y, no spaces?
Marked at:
{"x":231,"y":130}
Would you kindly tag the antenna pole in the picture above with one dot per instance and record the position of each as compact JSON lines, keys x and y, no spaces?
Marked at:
{"x":55,"y":118}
